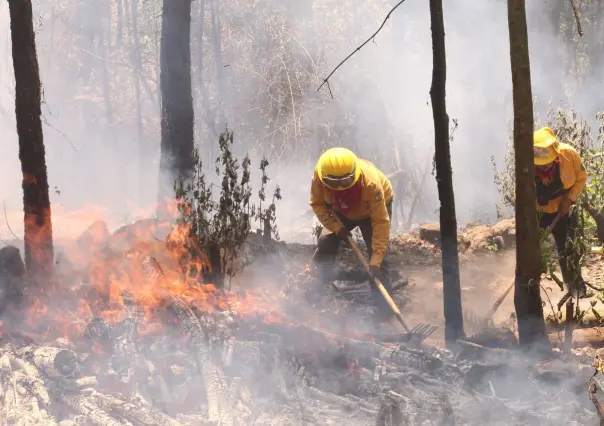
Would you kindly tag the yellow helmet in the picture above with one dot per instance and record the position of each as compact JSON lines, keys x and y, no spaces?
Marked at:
{"x":544,"y":146}
{"x":338,"y":168}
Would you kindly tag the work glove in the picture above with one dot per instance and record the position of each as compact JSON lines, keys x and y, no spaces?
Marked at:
{"x":343,"y":233}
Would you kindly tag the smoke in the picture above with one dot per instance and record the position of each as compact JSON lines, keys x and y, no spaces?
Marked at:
{"x":274,"y":55}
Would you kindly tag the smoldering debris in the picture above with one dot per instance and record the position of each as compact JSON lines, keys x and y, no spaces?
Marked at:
{"x":191,"y":355}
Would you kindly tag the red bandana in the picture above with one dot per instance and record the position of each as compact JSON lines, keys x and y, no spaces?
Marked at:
{"x":347,"y":199}
{"x":547,"y":175}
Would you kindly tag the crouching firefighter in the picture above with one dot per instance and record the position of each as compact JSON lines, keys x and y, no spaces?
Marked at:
{"x":347,"y":192}
{"x":559,"y":179}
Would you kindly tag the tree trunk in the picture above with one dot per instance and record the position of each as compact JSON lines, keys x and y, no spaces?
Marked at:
{"x":136,"y":69}
{"x":444,"y":178}
{"x":527,"y":296}
{"x":104,"y":71}
{"x":119,"y":26}
{"x":39,"y":253}
{"x":177,"y":118}
{"x":214,"y":8}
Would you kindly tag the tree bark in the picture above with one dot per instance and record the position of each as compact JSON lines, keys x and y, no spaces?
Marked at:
{"x":444,"y":178}
{"x":99,"y":25}
{"x":527,"y":296}
{"x":119,"y":26}
{"x":215,"y":10}
{"x":39,"y":253}
{"x":177,"y":117}
{"x":136,"y":69}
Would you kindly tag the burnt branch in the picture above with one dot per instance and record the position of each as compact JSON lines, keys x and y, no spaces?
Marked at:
{"x":372,"y":37}
{"x":577,"y":18}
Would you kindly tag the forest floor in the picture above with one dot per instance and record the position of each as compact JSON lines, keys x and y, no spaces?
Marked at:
{"x":487,"y":264}
{"x":128,"y":337}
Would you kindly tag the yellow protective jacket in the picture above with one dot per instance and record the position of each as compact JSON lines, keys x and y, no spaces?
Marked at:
{"x":572,"y":174}
{"x":376,"y":193}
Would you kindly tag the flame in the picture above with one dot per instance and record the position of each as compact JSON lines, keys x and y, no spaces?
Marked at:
{"x":104,"y":278}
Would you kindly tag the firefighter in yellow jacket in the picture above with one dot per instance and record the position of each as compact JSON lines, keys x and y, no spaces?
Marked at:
{"x":559,"y":180}
{"x":348,"y":192}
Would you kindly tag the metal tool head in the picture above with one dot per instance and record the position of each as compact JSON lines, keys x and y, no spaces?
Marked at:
{"x":419,"y":333}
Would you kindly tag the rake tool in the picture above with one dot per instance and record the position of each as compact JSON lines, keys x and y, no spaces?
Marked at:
{"x":486,"y":320}
{"x":420,"y":332}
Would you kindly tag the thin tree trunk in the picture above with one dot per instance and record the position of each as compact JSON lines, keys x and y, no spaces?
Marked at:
{"x":119,"y":30}
{"x":137,"y":68}
{"x":102,"y":63}
{"x":214,"y":6}
{"x":444,"y":178}
{"x":527,"y":296}
{"x":177,"y":117}
{"x":39,"y":253}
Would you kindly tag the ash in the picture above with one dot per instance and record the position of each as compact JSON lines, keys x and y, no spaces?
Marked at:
{"x":213,"y":359}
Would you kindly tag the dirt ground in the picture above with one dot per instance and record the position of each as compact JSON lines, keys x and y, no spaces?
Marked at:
{"x":482,"y":281}
{"x":484,"y":277}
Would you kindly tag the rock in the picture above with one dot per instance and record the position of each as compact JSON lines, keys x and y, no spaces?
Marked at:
{"x":430,"y":232}
{"x":484,"y":239}
{"x":481,"y":239}
{"x":506,"y":229}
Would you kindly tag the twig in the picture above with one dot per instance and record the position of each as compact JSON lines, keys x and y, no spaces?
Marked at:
{"x":568,"y":327}
{"x":577,"y":18}
{"x":481,"y":347}
{"x":563,"y":300}
{"x":552,"y":306}
{"x":326,"y":80}
{"x":291,"y":94}
{"x":6,"y":221}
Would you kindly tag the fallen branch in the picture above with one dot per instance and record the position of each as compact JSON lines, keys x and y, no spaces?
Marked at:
{"x":326,"y":80}
{"x":482,"y":348}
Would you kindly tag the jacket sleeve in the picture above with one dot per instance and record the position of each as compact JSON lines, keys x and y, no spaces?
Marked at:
{"x":317,"y":202}
{"x":580,"y":173}
{"x":380,"y":224}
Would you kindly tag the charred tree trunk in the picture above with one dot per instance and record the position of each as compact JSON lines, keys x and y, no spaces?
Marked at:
{"x":39,"y":253}
{"x":177,"y":118}
{"x":527,"y":296}
{"x":444,"y":178}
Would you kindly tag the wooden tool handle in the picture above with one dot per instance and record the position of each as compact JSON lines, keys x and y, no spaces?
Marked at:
{"x":379,"y":284}
{"x":500,"y":300}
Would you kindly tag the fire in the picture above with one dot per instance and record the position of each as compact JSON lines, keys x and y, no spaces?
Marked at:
{"x":109,"y":280}
{"x":104,"y":279}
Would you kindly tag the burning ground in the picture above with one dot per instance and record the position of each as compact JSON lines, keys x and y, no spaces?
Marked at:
{"x":132,"y":336}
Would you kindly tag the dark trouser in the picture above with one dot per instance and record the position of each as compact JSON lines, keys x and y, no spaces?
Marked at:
{"x":564,"y":235}
{"x":329,"y":244}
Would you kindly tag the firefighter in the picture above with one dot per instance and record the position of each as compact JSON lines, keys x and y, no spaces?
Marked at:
{"x":348,"y":192}
{"x":559,"y":179}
